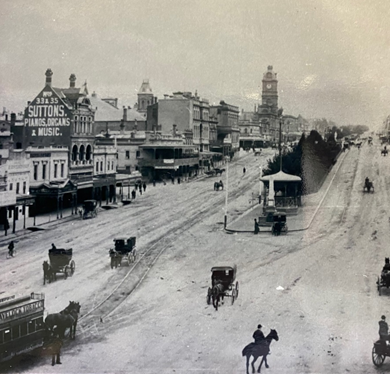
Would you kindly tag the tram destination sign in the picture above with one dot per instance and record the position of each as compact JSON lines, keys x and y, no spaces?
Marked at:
{"x":48,"y":119}
{"x":21,"y":310}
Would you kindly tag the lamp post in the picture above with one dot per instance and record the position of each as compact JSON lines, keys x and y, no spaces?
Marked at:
{"x":280,"y":112}
{"x":227,"y":191}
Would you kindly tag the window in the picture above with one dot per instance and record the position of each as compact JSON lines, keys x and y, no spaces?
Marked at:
{"x":7,"y":336}
{"x":108,"y":165}
{"x":55,"y":170}
{"x":11,"y":186}
{"x":112,"y":165}
{"x":127,"y":155}
{"x":24,"y":188}
{"x":44,"y":171}
{"x":97,"y":166}
{"x":31,"y":326}
{"x":23,"y":329}
{"x":62,"y":170}
{"x":101,"y":165}
{"x":17,"y":187}
{"x":35,"y":172}
{"x":15,"y":332}
{"x":138,"y":154}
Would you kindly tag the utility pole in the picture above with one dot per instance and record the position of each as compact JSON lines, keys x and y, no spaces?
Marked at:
{"x":280,"y":115}
{"x":227,"y":191}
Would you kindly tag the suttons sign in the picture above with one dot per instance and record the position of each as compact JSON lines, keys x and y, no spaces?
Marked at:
{"x":47,"y":120}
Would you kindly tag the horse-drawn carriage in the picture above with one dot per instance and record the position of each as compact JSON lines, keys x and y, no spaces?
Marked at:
{"x":384,"y":151}
{"x":279,"y":224}
{"x":218,"y":185}
{"x":368,"y":186}
{"x":380,"y":351}
{"x":60,"y":262}
{"x":222,"y":284}
{"x":384,"y":278}
{"x":89,"y":209}
{"x":125,"y":248}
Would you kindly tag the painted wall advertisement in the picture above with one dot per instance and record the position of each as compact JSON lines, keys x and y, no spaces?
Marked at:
{"x":47,"y":120}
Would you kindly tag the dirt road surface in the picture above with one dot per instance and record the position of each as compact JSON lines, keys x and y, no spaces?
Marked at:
{"x":316,"y":288}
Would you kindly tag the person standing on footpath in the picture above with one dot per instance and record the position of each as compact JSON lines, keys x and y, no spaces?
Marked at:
{"x":144,"y":186}
{"x":257,"y":229}
{"x":133,"y":194}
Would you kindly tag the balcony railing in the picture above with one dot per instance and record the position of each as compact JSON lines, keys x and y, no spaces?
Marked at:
{"x":168,"y":162}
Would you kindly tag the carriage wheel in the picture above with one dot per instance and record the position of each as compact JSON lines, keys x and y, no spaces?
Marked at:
{"x":134,"y":254}
{"x":233,"y":295}
{"x":208,"y":298}
{"x":377,"y":358}
{"x":66,"y":271}
{"x":236,"y":290}
{"x":72,"y":267}
{"x":379,"y":286}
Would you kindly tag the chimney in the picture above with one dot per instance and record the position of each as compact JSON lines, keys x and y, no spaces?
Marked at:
{"x":48,"y":74}
{"x":72,"y":79}
{"x":174,"y":130}
{"x":124,"y":114}
{"x":135,"y":125}
{"x":13,"y":118}
{"x":122,"y":127}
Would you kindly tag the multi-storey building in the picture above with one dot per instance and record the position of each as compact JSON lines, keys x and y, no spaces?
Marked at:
{"x":228,"y":132}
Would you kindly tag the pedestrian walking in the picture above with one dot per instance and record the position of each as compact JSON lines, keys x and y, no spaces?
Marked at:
{"x":144,"y":186}
{"x":11,"y":247}
{"x":257,"y":228}
{"x":259,"y":199}
{"x":244,"y":170}
{"x":133,"y":194}
{"x":173,"y":180}
{"x":178,"y":180}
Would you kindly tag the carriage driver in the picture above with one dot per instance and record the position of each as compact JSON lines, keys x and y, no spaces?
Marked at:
{"x":258,"y":335}
{"x":383,"y":329}
{"x":367,"y":181}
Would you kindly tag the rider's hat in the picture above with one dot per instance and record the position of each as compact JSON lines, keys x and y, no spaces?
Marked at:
{"x":383,"y":317}
{"x":259,"y":326}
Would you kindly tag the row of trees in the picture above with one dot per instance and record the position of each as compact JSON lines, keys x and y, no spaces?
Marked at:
{"x":311,"y":159}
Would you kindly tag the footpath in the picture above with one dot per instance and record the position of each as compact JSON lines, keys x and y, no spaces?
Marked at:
{"x":299,"y":222}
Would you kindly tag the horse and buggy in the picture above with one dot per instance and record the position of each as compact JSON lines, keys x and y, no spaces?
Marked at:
{"x":384,"y":279}
{"x":279,"y":224}
{"x":89,"y":209}
{"x":60,"y":261}
{"x":218,"y":185}
{"x":368,"y":186}
{"x":222,"y":284}
{"x":125,"y":248}
{"x":384,"y":151}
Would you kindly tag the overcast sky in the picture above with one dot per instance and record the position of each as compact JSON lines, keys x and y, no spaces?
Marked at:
{"x":332,"y":56}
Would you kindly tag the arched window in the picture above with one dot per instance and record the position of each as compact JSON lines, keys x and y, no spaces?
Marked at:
{"x":245,"y":130}
{"x":74,"y":153}
{"x":88,"y":153}
{"x":82,"y":153}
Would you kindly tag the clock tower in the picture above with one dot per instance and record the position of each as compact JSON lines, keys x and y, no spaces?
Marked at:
{"x":269,"y":94}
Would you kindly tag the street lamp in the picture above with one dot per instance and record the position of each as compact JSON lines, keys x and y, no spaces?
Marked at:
{"x":226,"y":190}
{"x":280,"y":115}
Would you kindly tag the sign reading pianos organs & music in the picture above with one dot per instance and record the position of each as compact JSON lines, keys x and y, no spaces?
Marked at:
{"x":47,"y":120}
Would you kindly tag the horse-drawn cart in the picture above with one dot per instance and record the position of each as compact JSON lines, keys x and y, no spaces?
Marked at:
{"x":61,"y":261}
{"x":124,"y":248}
{"x":222,"y":284}
{"x":384,"y":279}
{"x":279,"y":224}
{"x":380,"y":351}
{"x":89,"y":209}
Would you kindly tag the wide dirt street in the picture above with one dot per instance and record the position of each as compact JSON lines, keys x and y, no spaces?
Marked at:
{"x":157,"y":319}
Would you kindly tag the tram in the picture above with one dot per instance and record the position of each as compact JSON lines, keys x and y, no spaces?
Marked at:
{"x":21,"y":324}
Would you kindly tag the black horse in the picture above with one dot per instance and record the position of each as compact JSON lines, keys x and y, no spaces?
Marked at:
{"x":116,"y":258}
{"x":67,"y":318}
{"x":219,"y":171}
{"x":218,"y":185}
{"x":217,"y":293}
{"x":259,"y":349}
{"x":48,"y":273}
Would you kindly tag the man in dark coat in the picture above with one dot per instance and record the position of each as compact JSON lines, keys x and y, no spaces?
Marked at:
{"x":383,"y":329}
{"x":257,"y":229}
{"x":133,"y":194}
{"x":258,"y":335}
{"x":11,"y":248}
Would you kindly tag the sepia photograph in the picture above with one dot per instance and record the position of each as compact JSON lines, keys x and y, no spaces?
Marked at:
{"x":194,"y":186}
